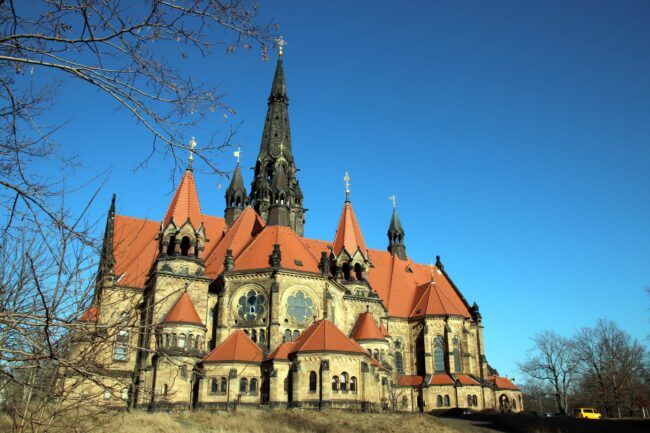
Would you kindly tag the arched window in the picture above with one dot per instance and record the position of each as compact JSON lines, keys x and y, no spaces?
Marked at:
{"x":224,"y":385}
{"x":253,"y":386}
{"x":296,"y":334}
{"x":185,"y":246}
{"x":181,"y":341}
{"x":353,"y":384}
{"x":312,"y":381}
{"x":376,"y":354}
{"x":398,"y":344}
{"x":243,"y":385}
{"x":167,"y":340}
{"x":335,"y":383}
{"x":197,"y":343}
{"x":457,"y":361}
{"x":174,"y":340}
{"x":254,"y":336}
{"x":514,"y":403}
{"x":344,"y":382}
{"x":439,"y":401}
{"x":469,"y":401}
{"x":184,"y":372}
{"x":213,"y":386}
{"x":171,"y":247}
{"x":190,"y":341}
{"x":438,"y":355}
{"x":358,"y":272}
{"x":287,"y":335}
{"x":370,"y":352}
{"x":346,"y":271}
{"x":262,"y":335}
{"x":399,"y":363}
{"x":405,"y":402}
{"x":447,"y":401}
{"x":474,"y":400}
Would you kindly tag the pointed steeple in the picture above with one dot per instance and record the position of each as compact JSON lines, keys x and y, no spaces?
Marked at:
{"x":236,"y":196}
{"x":396,"y":237}
{"x":185,"y":203}
{"x":275,"y":167}
{"x":348,"y":233}
{"x":106,"y":272}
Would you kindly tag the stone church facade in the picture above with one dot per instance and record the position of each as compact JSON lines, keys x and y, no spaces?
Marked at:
{"x":199,"y":311}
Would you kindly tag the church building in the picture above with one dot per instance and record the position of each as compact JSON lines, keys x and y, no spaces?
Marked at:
{"x":203,"y":311}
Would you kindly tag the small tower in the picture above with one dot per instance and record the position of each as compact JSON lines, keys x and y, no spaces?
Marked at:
{"x":236,"y":196}
{"x":396,"y":234}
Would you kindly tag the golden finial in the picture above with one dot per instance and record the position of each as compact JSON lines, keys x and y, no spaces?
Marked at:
{"x":346,"y":178}
{"x":281,"y":43}
{"x":192,"y":147}
{"x":237,"y":153}
{"x":393,"y":198}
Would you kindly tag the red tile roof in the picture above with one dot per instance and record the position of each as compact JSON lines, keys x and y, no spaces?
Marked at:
{"x":295,"y":254}
{"x":366,"y":328}
{"x":348,"y":233}
{"x":238,"y":347}
{"x":406,"y":380}
{"x":135,"y":248}
{"x":183,"y":311}
{"x":185,"y":203}
{"x":376,"y":363}
{"x":90,"y":315}
{"x":441,"y":379}
{"x":433,"y":299}
{"x":282,"y":351}
{"x":502,"y":382}
{"x":464,"y":379}
{"x":324,"y":336}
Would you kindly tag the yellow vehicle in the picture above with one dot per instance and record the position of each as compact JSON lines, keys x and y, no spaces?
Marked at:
{"x":586,"y":412}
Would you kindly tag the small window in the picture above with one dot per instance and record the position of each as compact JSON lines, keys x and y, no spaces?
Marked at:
{"x":439,"y":401}
{"x":190,"y":341}
{"x":165,"y":390}
{"x":287,"y":335}
{"x":181,"y":341}
{"x":253,"y":386}
{"x":399,"y":362}
{"x":447,"y":401}
{"x":344,"y":382}
{"x":296,"y":334}
{"x":121,"y":351}
{"x":335,"y":383}
{"x":353,"y":384}
{"x":254,"y":336}
{"x":224,"y":385}
{"x":286,"y":385}
{"x":262,"y":335}
{"x":474,"y":400}
{"x":174,"y":343}
{"x":243,"y":385}
{"x":469,"y":401}
{"x":214,"y":386}
{"x":312,"y":381}
{"x":376,"y":354}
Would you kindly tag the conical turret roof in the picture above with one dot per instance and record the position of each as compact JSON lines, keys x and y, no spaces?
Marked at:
{"x":183,"y":311}
{"x":367,"y":329}
{"x":185,"y":204}
{"x":395,"y":226}
{"x":237,"y":182}
{"x":348,"y":233}
{"x":238,"y":347}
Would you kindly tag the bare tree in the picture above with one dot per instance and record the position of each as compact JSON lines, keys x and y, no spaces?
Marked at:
{"x":552,"y":361}
{"x":612,"y":367}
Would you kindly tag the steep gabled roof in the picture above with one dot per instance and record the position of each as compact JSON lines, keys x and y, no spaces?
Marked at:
{"x":348,"y":234}
{"x":464,"y":379}
{"x":183,"y":311}
{"x":295,"y":254}
{"x":324,"y":336}
{"x":366,"y":328}
{"x":502,"y":382}
{"x":185,"y":203}
{"x":237,"y":237}
{"x":435,"y":300}
{"x":238,"y":347}
{"x":441,"y":379}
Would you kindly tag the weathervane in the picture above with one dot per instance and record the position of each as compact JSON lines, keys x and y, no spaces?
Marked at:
{"x":393,"y":198}
{"x":237,"y":153}
{"x":192,"y":147}
{"x":346,"y":178}
{"x":281,"y":43}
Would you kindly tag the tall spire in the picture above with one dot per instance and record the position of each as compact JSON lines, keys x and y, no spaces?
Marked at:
{"x":185,"y":204}
{"x":396,"y":234}
{"x":236,"y":196}
{"x":275,"y":158}
{"x":106,"y":270}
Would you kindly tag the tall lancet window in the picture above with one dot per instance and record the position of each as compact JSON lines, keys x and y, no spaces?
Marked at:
{"x":457,"y":361}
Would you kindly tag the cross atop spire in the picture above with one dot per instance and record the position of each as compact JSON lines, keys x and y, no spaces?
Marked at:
{"x":346,"y":178}
{"x":393,"y":198}
{"x":237,"y":153}
{"x":191,"y":158}
{"x":280,"y":42}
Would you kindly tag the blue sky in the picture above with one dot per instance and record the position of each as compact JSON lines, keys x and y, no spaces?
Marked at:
{"x":516,"y":136}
